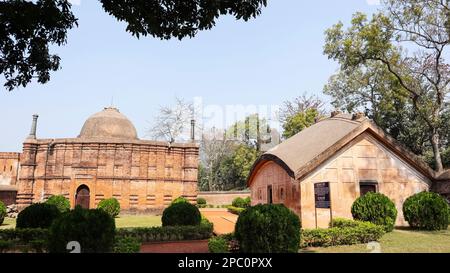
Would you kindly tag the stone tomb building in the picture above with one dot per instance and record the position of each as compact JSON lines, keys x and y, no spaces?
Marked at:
{"x":352,"y":156}
{"x":107,"y":160}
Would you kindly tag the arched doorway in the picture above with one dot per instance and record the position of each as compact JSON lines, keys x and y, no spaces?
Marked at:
{"x":82,"y":197}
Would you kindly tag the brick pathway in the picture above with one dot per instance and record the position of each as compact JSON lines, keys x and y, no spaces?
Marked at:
{"x":223,"y":220}
{"x":200,"y":246}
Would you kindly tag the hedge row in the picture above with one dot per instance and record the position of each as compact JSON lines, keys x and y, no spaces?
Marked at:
{"x":168,"y":233}
{"x":343,"y":233}
{"x":235,"y":210}
{"x":24,"y":240}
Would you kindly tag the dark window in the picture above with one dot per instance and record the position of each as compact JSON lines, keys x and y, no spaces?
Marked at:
{"x":368,"y":186}
{"x":281,"y":194}
{"x":269,"y":195}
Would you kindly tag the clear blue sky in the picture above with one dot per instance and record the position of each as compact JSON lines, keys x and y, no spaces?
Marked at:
{"x":265,"y":61}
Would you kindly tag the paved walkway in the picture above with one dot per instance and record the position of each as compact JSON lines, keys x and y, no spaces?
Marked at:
{"x":200,"y":246}
{"x":223,"y":220}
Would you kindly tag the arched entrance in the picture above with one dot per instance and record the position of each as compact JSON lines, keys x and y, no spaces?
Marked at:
{"x":82,"y":197}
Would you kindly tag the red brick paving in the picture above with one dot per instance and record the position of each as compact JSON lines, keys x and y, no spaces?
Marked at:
{"x":200,"y":246}
{"x":223,"y":221}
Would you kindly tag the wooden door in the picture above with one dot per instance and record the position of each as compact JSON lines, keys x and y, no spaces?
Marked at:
{"x":83,"y":197}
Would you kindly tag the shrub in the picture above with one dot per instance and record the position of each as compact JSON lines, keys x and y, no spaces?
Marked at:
{"x":375,"y":208}
{"x":268,"y":229}
{"x":218,"y":245}
{"x":181,"y":214}
{"x":347,"y":234}
{"x":247,"y":202}
{"x":201,"y":201}
{"x":93,"y":229}
{"x":426,"y":210}
{"x":127,"y":245}
{"x":235,"y":210}
{"x":2,"y":212}
{"x":343,"y":223}
{"x":60,"y":202}
{"x":180,"y":199}
{"x":168,"y":233}
{"x":38,"y":215}
{"x":110,"y":206}
{"x":28,"y":238}
{"x":238,"y":202}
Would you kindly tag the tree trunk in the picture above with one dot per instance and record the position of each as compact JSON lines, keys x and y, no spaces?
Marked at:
{"x":437,"y":153}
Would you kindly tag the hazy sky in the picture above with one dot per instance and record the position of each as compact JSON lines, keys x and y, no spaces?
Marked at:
{"x":264,"y":61}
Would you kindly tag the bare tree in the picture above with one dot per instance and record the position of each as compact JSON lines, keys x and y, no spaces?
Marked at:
{"x":215,"y":146}
{"x":173,"y":122}
{"x":300,"y":104}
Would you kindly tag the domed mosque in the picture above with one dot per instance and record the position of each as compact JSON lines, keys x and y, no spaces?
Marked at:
{"x":106,"y":160}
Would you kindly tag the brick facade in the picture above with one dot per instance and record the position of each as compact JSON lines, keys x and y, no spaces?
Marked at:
{"x":142,"y":175}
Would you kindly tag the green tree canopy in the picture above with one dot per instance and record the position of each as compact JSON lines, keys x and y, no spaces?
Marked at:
{"x":402,"y":46}
{"x":29,"y":28}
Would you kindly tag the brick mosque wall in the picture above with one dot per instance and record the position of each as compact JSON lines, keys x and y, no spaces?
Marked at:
{"x":143,"y":175}
{"x":9,"y":168}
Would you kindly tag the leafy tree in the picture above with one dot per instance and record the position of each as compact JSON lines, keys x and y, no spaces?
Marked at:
{"x":300,"y":113}
{"x":421,"y":72}
{"x":253,"y":131}
{"x":242,"y":162}
{"x":29,"y":28}
{"x":299,"y":121}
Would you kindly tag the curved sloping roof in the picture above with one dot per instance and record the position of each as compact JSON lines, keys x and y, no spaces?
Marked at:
{"x":108,"y":124}
{"x":300,"y":149}
{"x":305,"y":151}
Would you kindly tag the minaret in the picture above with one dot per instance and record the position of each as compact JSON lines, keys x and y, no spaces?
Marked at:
{"x":192,"y":130}
{"x":33,"y":127}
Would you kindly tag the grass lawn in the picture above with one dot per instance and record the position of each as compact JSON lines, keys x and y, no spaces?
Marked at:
{"x":124,"y":221}
{"x":399,"y":241}
{"x":8,"y":223}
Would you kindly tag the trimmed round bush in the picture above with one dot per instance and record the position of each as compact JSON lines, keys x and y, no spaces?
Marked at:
{"x":180,"y":199}
{"x":238,"y":202}
{"x":110,"y":206}
{"x":376,"y":208}
{"x":2,"y":212}
{"x":39,"y":215}
{"x":426,"y":211}
{"x":201,"y":201}
{"x":93,"y":229}
{"x":60,"y":202}
{"x":181,"y":214}
{"x":268,"y":229}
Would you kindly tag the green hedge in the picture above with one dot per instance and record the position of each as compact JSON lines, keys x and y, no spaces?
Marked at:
{"x":427,"y":211}
{"x":363,"y":232}
{"x":39,"y":215}
{"x":94,"y":229}
{"x":168,"y":233}
{"x":127,"y":245}
{"x":2,"y":212}
{"x":268,"y":229}
{"x":201,"y":201}
{"x":24,"y":240}
{"x":60,"y":202}
{"x":235,"y":210}
{"x":376,"y":208}
{"x":110,"y":206}
{"x":181,"y":214}
{"x":218,"y":245}
{"x":240,"y":202}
